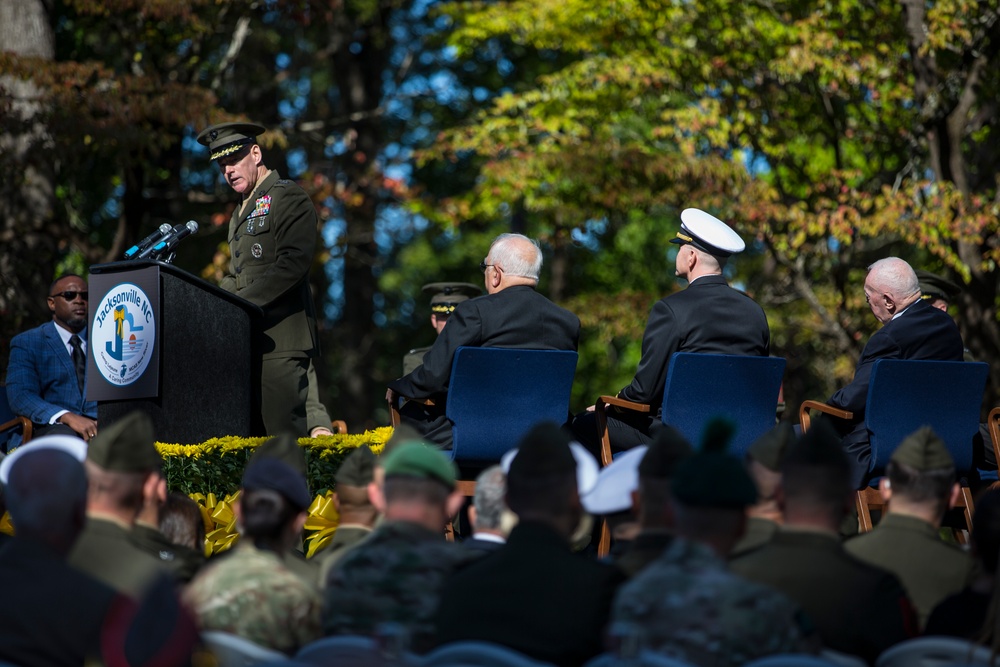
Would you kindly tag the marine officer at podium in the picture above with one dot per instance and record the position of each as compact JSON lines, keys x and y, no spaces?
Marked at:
{"x":272,"y":240}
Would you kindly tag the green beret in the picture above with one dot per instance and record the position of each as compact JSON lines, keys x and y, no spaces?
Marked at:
{"x":923,"y":450}
{"x":769,"y":449}
{"x":357,"y":469}
{"x":712,"y":477}
{"x":228,"y":138}
{"x":933,"y":286}
{"x":543,"y":451}
{"x":126,"y":446}
{"x":665,"y":452}
{"x":414,"y":459}
{"x":284,"y":447}
{"x":445,"y":296}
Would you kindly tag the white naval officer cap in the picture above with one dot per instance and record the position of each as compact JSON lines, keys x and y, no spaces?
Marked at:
{"x":72,"y":445}
{"x":615,"y":484}
{"x":708,"y":234}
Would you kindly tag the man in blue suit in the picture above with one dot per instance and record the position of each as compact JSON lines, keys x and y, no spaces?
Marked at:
{"x":46,"y":377}
{"x":912,"y":329}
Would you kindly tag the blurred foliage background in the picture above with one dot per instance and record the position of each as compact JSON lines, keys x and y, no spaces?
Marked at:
{"x":829,"y":134}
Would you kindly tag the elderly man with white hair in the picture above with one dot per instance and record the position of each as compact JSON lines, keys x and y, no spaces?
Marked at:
{"x":912,"y":329}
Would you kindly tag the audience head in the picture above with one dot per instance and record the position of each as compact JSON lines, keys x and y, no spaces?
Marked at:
{"x":445,"y":297}
{"x":513,"y":259}
{"x":489,"y":512}
{"x":891,"y":286}
{"x":46,"y":489}
{"x":285,"y":448}
{"x":123,"y":467}
{"x":351,"y":490}
{"x":542,"y":480}
{"x":420,"y":486}
{"x":711,"y":490}
{"x":706,"y":243}
{"x":764,"y":460}
{"x":182,"y":523}
{"x":667,"y":450}
{"x":816,"y":479}
{"x":920,"y":477}
{"x":400,"y":434}
{"x":937,"y":290}
{"x":273,"y":503}
{"x":67,"y":302}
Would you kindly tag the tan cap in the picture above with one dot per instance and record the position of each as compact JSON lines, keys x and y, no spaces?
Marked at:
{"x":126,"y":446}
{"x":923,"y":450}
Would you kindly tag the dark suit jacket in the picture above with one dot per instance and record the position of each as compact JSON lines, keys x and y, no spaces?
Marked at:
{"x":534,"y":595}
{"x":272,"y":246}
{"x":516,"y":317}
{"x":857,"y":608}
{"x":922,"y":332}
{"x":708,"y":317}
{"x":41,"y":379}
{"x":51,"y":614}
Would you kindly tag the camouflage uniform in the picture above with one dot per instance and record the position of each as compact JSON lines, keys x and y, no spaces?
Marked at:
{"x":395,"y":575}
{"x":688,"y":606}
{"x":252,"y":594}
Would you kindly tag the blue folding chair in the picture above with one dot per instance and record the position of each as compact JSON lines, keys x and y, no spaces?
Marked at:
{"x":9,"y":422}
{"x":478,"y":654}
{"x":495,"y":396}
{"x":903,"y":396}
{"x":699,"y":387}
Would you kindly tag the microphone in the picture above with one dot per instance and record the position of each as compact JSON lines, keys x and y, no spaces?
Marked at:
{"x":177,"y":234}
{"x":148,"y":241}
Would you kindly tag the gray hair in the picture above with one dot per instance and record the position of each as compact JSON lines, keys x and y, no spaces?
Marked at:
{"x":894,"y":277}
{"x":491,"y":487}
{"x":517,"y":255}
{"x":45,"y":492}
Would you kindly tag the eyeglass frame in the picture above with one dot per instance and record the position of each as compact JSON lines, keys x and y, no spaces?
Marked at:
{"x":85,"y":295}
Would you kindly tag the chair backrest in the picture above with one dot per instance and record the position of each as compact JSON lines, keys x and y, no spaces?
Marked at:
{"x":353,"y":651}
{"x":478,"y":654}
{"x":934,"y":652}
{"x":740,"y":388}
{"x":496,"y":395}
{"x":645,"y":658}
{"x":234,"y":651}
{"x":905,"y":395}
{"x":793,"y":660}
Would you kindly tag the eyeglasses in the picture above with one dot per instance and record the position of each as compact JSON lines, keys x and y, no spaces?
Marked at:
{"x":483,"y":266}
{"x":71,"y":296}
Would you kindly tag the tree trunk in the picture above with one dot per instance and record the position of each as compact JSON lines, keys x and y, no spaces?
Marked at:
{"x":29,"y":238}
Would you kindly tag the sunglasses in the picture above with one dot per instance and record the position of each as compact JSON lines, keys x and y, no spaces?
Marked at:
{"x":71,"y":296}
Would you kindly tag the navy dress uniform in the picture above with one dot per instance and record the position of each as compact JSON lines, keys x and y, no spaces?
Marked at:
{"x":272,"y":241}
{"x":444,"y":298}
{"x":709,"y":317}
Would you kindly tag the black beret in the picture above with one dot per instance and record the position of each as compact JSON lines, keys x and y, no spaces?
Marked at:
{"x":544,"y":450}
{"x":712,"y":477}
{"x":266,"y":473}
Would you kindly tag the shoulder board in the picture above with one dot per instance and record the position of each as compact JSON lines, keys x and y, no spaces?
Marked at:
{"x":283,"y":182}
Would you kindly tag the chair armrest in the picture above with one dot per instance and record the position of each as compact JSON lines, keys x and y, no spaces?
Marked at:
{"x":805,"y":420}
{"x":24,"y":423}
{"x":601,"y":412}
{"x":393,"y":399}
{"x":338,"y":426}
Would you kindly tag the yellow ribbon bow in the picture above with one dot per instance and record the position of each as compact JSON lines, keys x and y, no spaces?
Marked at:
{"x":220,"y":521}
{"x":322,"y":521}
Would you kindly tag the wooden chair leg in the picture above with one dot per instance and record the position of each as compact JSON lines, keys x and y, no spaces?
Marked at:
{"x":604,"y":546}
{"x":864,"y":515}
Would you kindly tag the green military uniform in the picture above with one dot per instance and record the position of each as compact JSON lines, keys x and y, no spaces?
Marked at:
{"x":272,"y":240}
{"x":254,"y":595}
{"x":105,"y":549}
{"x":910,"y":546}
{"x":759,"y":532}
{"x":444,"y":298}
{"x":182,"y":561}
{"x":345,"y":539}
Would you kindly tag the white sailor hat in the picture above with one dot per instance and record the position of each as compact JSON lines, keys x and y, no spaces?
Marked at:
{"x":707,"y":233}
{"x":586,"y":467}
{"x":615,"y":484}
{"x":72,"y":445}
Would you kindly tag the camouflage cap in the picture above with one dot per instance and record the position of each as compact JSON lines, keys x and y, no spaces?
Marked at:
{"x":126,"y":446}
{"x":712,"y":477}
{"x":266,"y":473}
{"x":668,"y":448}
{"x":227,"y":138}
{"x":414,"y":459}
{"x":933,"y":286}
{"x":284,"y":447}
{"x":923,"y":450}
{"x":769,"y":449}
{"x":445,"y":296}
{"x":357,"y":469}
